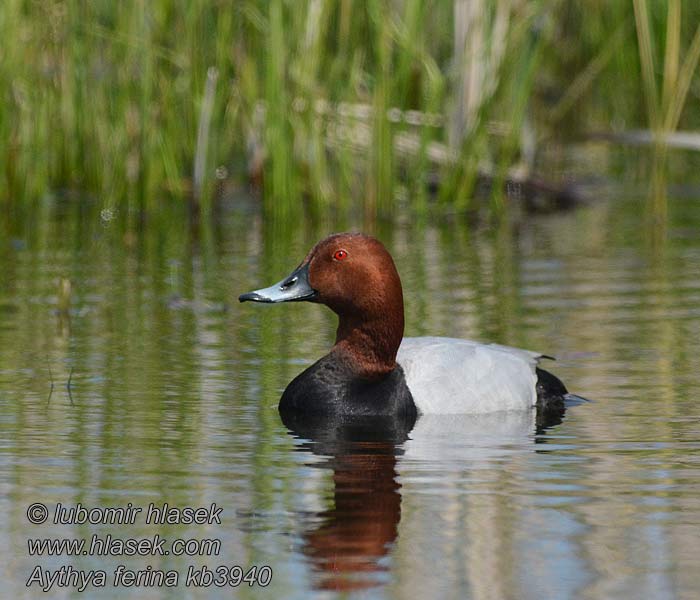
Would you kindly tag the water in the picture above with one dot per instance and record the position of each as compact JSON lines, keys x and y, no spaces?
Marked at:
{"x":174,"y":385}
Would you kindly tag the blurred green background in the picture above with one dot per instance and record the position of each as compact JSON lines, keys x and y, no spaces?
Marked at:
{"x":159,"y":111}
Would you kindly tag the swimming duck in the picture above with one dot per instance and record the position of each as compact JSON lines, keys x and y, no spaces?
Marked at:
{"x":372,"y":370}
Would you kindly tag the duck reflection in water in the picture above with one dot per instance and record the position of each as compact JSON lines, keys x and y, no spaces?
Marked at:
{"x":347,"y":547}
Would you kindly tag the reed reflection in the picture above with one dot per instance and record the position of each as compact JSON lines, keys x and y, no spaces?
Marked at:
{"x":347,"y":546}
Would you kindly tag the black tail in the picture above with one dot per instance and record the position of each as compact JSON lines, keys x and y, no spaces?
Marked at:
{"x":551,"y":393}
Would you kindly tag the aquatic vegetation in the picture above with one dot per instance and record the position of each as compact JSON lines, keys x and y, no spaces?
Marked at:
{"x":664,"y":109}
{"x":329,"y":107}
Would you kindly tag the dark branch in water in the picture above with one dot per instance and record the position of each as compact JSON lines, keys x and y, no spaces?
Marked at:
{"x":48,"y":364}
{"x":68,"y":384}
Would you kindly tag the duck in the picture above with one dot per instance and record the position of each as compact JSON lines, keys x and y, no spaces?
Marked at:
{"x":373,"y":371}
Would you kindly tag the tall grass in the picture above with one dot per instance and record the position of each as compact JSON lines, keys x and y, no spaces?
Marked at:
{"x":664,"y":108}
{"x":333,"y":106}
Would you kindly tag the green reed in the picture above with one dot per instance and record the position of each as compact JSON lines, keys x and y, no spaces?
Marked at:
{"x":664,"y":108}
{"x":152,"y":107}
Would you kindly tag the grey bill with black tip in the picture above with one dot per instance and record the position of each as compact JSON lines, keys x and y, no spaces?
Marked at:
{"x":294,"y":288}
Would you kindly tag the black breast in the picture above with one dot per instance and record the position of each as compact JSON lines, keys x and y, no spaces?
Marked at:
{"x":330,"y":387}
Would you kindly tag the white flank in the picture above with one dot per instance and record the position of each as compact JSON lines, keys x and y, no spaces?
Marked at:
{"x":454,"y":376}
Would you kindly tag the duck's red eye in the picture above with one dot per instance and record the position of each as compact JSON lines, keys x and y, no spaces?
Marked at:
{"x":340,"y":255}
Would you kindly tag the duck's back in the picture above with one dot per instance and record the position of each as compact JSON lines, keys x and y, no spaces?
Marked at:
{"x":451,"y":376}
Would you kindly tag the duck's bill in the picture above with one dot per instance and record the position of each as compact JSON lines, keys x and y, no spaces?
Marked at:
{"x":294,"y":288}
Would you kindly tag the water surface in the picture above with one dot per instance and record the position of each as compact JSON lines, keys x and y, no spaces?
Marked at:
{"x":174,"y":386}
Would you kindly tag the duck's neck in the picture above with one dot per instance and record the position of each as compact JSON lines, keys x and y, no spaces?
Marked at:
{"x":369,"y":345}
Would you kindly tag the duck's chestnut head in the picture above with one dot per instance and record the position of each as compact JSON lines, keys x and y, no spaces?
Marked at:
{"x":355,"y":276}
{"x":351,"y":273}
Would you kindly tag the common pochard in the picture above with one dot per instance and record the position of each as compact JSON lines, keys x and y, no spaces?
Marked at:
{"x":372,"y":370}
